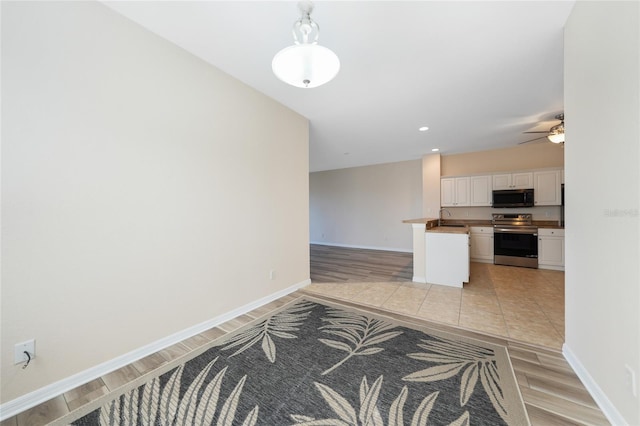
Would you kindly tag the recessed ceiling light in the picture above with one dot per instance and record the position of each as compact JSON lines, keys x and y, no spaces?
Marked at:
{"x":435,"y":149}
{"x":423,"y":128}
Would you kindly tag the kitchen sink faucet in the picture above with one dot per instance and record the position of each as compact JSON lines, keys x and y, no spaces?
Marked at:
{"x":440,"y":215}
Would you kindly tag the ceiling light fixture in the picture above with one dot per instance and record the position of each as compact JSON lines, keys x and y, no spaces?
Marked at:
{"x":435,"y":149}
{"x":305,"y":64}
{"x":423,"y":128}
{"x":556,"y":133}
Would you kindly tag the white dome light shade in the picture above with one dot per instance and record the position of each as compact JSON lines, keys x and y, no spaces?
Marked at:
{"x":305,"y":65}
{"x":556,"y":137}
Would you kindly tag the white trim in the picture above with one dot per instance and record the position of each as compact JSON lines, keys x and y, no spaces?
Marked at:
{"x":478,"y":260}
{"x":417,"y":279}
{"x":608,"y":409}
{"x":22,"y":403}
{"x":362,"y":247}
{"x":551,"y":267}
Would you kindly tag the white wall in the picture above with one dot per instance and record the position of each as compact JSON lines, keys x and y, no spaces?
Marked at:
{"x":143,"y":190}
{"x":602,"y":201}
{"x":365,"y":206}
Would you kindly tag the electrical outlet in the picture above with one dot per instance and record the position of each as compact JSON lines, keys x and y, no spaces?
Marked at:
{"x":631,"y":380}
{"x":547,"y":214}
{"x":19,"y":351}
{"x":272,"y":274}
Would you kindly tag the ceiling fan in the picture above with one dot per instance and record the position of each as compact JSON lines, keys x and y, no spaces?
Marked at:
{"x":554,"y":134}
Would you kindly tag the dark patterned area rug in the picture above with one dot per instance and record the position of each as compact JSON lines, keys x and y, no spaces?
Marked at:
{"x":315,"y":363}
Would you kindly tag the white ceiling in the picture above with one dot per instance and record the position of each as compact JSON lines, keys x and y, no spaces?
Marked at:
{"x":478,"y":73}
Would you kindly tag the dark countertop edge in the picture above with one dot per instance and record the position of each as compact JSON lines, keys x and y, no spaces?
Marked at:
{"x":431,"y":222}
{"x":448,"y":230}
{"x":421,"y":220}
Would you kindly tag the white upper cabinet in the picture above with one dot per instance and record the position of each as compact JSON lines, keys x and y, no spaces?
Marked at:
{"x":454,"y":192}
{"x":522,"y":180}
{"x":547,"y":188}
{"x":480,"y":190}
{"x":476,"y":191}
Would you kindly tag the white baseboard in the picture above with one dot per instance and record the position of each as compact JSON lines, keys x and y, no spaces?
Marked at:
{"x":608,"y":409}
{"x":324,"y":243}
{"x":417,"y":279}
{"x":551,"y":267}
{"x":22,"y":403}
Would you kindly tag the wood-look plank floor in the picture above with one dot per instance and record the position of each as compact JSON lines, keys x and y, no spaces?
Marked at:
{"x":340,"y":264}
{"x":552,"y":393}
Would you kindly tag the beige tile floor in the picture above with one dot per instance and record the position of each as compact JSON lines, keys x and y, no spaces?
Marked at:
{"x":519,"y":303}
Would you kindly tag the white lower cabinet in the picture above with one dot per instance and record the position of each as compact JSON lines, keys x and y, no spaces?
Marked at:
{"x":551,"y":249}
{"x":482,"y":244}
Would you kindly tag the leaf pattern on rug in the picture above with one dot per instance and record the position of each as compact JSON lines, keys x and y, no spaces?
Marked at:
{"x":151,"y":405}
{"x":279,"y":325}
{"x":452,"y":357}
{"x":360,"y":332}
{"x":369,"y":414}
{"x":215,"y":387}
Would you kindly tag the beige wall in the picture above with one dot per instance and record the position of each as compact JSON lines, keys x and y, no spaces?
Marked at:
{"x":365,"y":206}
{"x":522,"y":157}
{"x":143,"y":191}
{"x":602,"y":99}
{"x":431,"y":185}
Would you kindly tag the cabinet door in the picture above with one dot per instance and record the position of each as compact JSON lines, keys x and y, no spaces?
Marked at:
{"x":447,"y":192}
{"x":547,"y":188}
{"x":480,"y":191}
{"x":522,"y":180}
{"x":501,"y":182}
{"x":551,"y":251}
{"x":462,"y":192}
{"x":482,"y":246}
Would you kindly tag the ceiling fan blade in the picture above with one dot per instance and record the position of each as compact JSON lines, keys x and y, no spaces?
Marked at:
{"x":542,"y":131}
{"x":533,"y":140}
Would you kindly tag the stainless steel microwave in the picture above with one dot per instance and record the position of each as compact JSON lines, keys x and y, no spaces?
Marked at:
{"x":512,"y":198}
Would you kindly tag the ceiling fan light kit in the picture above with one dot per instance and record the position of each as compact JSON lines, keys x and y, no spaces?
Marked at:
{"x":555,"y":134}
{"x":305,"y":64}
{"x":556,"y":137}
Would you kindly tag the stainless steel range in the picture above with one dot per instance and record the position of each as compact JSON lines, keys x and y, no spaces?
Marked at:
{"x":515,"y":240}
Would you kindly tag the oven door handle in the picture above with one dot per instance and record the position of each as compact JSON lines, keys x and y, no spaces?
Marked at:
{"x":515,"y":231}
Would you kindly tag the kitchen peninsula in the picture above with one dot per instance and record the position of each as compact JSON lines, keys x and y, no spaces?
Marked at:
{"x":440,"y":253}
